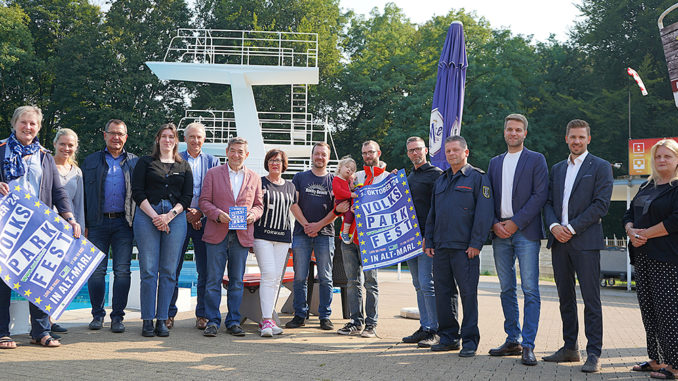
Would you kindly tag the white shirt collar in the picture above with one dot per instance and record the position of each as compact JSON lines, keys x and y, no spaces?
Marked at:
{"x":578,"y":160}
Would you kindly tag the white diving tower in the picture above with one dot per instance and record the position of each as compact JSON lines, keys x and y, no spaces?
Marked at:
{"x":243,"y":59}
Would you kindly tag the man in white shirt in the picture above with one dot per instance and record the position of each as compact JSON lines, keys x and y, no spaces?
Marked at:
{"x":519,"y":179}
{"x":580,"y":189}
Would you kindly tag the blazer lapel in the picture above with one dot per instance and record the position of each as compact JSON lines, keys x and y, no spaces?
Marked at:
{"x":245,"y":179}
{"x":584,"y":169}
{"x":497,"y":173}
{"x":229,"y":189}
{"x":519,"y":170}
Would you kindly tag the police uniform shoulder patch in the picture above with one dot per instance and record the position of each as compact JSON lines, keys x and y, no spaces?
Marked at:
{"x":486,"y":191}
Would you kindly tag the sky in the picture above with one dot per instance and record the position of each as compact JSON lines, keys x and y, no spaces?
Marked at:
{"x":539,"y":18}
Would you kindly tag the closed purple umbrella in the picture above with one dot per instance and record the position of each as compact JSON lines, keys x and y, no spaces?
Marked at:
{"x":448,"y":97}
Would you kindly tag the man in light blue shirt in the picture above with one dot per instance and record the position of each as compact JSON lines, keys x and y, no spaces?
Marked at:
{"x":109,"y":211}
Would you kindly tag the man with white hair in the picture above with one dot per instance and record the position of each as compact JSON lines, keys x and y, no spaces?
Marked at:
{"x":200,"y":162}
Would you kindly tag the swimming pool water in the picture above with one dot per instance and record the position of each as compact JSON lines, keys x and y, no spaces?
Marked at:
{"x":187,"y":278}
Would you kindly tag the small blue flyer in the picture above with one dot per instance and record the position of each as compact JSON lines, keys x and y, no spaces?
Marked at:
{"x":238,"y":216}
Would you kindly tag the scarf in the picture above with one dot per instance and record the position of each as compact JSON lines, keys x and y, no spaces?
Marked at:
{"x":13,"y":165}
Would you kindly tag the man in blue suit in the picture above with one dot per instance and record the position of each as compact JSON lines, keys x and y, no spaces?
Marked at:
{"x":519,"y":181}
{"x":200,"y":162}
{"x":580,"y":189}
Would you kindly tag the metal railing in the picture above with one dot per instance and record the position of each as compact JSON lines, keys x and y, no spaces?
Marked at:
{"x":276,"y":127}
{"x":243,"y":47}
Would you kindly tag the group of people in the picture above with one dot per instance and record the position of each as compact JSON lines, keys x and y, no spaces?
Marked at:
{"x":171,"y":199}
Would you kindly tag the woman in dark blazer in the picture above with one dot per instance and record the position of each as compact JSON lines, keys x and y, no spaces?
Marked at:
{"x":31,"y":167}
{"x":652,"y":225}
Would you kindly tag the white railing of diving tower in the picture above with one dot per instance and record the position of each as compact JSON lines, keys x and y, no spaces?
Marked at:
{"x":243,"y":47}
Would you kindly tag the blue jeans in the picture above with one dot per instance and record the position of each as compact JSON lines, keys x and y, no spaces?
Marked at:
{"x":421,"y":269}
{"x":232,"y":252}
{"x":158,"y":256}
{"x":116,"y":234}
{"x":200,"y":259}
{"x":302,"y":247}
{"x":527,"y":252}
{"x":39,"y":319}
{"x":356,"y":279}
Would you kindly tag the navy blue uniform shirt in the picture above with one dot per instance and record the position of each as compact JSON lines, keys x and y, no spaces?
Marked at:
{"x":462,"y":210}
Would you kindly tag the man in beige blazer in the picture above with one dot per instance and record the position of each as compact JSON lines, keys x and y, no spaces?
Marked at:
{"x":227,"y":186}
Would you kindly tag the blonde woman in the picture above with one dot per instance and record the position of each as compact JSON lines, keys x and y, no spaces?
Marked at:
{"x":65,"y":149}
{"x":651,"y":224}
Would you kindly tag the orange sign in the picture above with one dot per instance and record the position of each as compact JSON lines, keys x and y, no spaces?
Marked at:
{"x":639,"y":155}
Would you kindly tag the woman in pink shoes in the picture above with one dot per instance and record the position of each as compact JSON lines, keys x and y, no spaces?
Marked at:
{"x":273,"y":236}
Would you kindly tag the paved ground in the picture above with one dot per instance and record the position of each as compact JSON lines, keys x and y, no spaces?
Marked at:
{"x":310,"y":353}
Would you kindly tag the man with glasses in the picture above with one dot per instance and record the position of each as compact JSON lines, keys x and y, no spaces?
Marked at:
{"x":374,"y":173}
{"x":421,"y":181}
{"x":109,"y":211}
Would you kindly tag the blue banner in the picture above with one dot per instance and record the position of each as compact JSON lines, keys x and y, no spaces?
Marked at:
{"x":388,"y":231}
{"x":39,"y":258}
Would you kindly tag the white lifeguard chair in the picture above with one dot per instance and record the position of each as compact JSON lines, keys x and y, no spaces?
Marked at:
{"x":243,"y":59}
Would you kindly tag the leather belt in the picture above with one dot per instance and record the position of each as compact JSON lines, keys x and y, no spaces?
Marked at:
{"x":114,"y":215}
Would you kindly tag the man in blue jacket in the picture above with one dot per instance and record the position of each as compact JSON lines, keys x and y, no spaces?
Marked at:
{"x":519,"y":179}
{"x":457,"y":226}
{"x":580,"y":189}
{"x":109,"y":211}
{"x":200,"y":162}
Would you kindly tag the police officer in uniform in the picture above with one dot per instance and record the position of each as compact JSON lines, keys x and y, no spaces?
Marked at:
{"x":458,"y":224}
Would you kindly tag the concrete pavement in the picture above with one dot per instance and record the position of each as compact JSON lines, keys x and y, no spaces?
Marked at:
{"x":309,"y":353}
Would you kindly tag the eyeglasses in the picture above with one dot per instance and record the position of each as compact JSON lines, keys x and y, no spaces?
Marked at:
{"x":369,"y":152}
{"x":275,"y":161}
{"x":416,"y":149}
{"x":116,"y":134}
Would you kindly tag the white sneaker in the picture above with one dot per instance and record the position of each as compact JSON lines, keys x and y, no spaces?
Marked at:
{"x":266,"y":329}
{"x":274,"y":327}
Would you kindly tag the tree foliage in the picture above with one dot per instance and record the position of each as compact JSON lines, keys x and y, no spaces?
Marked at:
{"x":84,"y":66}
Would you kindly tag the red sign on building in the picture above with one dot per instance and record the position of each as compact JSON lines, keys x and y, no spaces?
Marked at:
{"x":639,"y":155}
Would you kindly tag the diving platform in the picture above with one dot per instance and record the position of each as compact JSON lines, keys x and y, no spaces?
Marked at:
{"x":243,"y":59}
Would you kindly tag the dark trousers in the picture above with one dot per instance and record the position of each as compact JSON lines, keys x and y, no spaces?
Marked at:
{"x":586,"y":265}
{"x":657,"y":286}
{"x":39,"y":319}
{"x":200,"y":258}
{"x":450,"y":266}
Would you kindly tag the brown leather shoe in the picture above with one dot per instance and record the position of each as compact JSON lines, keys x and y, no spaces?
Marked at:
{"x":507,"y":349}
{"x":169,"y":322}
{"x":563,"y":355}
{"x":528,"y":357}
{"x":201,"y":323}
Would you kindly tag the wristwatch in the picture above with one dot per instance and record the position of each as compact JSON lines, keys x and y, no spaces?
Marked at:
{"x":69,"y":219}
{"x":174,"y":212}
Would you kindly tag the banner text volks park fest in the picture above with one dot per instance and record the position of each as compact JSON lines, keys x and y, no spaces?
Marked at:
{"x":387,"y":226}
{"x":39,"y":257}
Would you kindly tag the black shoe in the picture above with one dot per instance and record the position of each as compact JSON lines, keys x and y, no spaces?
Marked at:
{"x":350,"y":329}
{"x":117,"y":326}
{"x":527,"y":357}
{"x":326,"y":324}
{"x":467,"y":352}
{"x":440,"y":347}
{"x":236,"y":330}
{"x":416,"y":337}
{"x":57,"y":328}
{"x":592,"y":364}
{"x":507,"y":349}
{"x":430,"y":340}
{"x":296,"y":322}
{"x":96,"y":324}
{"x":161,"y":328}
{"x":147,"y":329}
{"x":563,"y":355}
{"x":211,"y":330}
